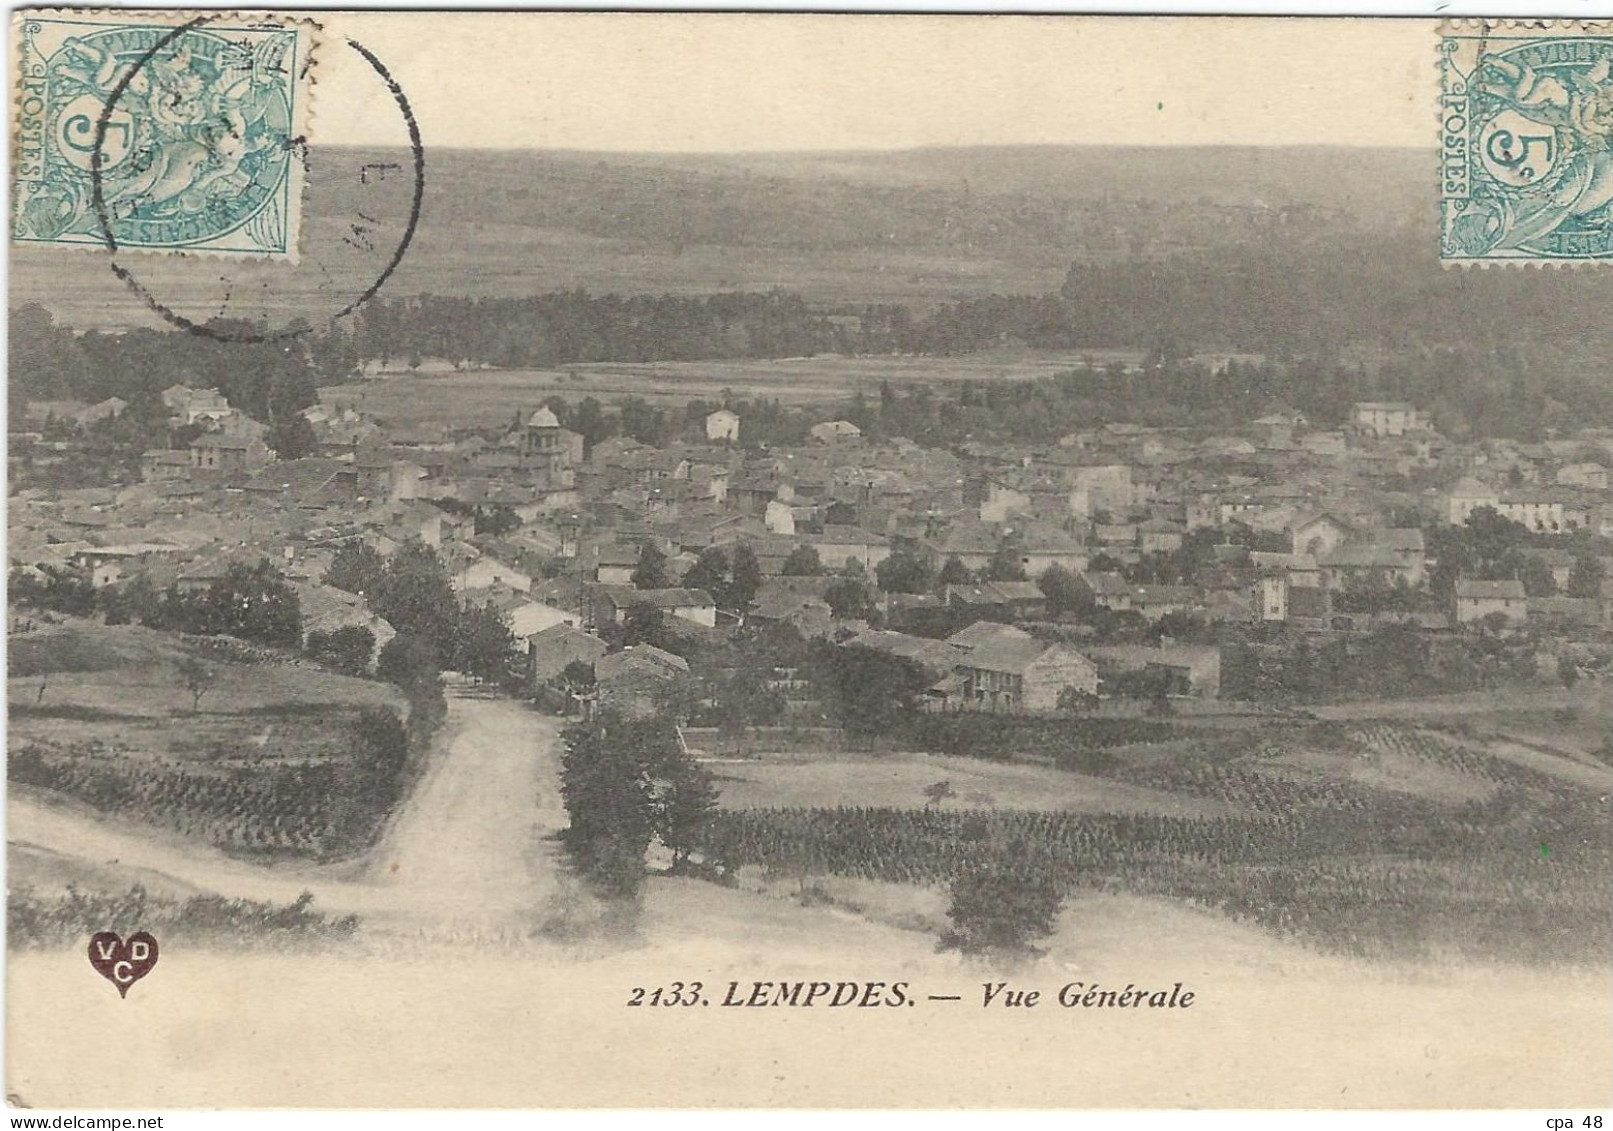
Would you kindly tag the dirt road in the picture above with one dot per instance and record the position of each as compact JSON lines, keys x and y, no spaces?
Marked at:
{"x":466,"y":854}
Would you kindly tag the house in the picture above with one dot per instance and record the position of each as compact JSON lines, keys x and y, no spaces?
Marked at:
{"x":109,"y":409}
{"x":1466,"y":496}
{"x":191,"y":406}
{"x":1541,"y":509}
{"x":554,"y":649}
{"x":1317,"y":533}
{"x":162,"y":465}
{"x":1386,"y":418}
{"x":218,"y":452}
{"x":612,"y":604}
{"x":615,"y":563}
{"x":638,"y":681}
{"x":1159,"y":535}
{"x":1476,"y":600}
{"x":1023,"y":599}
{"x":1402,"y":548}
{"x":722,"y":427}
{"x":937,"y":657}
{"x":999,"y":501}
{"x":832,"y":431}
{"x":1156,"y":601}
{"x":1109,"y":591}
{"x":808,"y":613}
{"x":1592,"y":476}
{"x":1194,"y":670}
{"x":482,"y":571}
{"x":1358,"y":561}
{"x":1004,"y":669}
{"x":1271,"y":597}
{"x":529,"y":618}
{"x":839,"y":546}
{"x":324,"y":608}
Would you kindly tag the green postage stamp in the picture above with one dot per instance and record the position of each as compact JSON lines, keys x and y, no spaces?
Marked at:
{"x":1526,"y":138}
{"x":161,"y":132}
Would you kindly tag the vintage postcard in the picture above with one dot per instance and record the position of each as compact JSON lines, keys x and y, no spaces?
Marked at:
{"x":632,"y":560}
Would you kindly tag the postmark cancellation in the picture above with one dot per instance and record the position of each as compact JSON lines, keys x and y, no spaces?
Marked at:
{"x":176,"y":132}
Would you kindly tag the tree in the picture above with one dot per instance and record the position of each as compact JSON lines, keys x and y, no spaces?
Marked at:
{"x":1065,"y":592}
{"x":869,"y":692}
{"x":1076,"y":700}
{"x":746,"y":574}
{"x":1586,"y":576}
{"x":292,"y":437}
{"x":803,"y":562}
{"x":409,"y":661}
{"x":850,"y":599}
{"x":645,"y":624}
{"x":905,"y":572}
{"x":576,"y":679}
{"x":1000,"y":908}
{"x":709,"y":572}
{"x":347,"y":649}
{"x":484,"y":647}
{"x":198,"y":679}
{"x":1537,"y":578}
{"x":357,"y":567}
{"x":954,"y":572}
{"x":252,"y":603}
{"x":1005,"y":564}
{"x":743,"y":700}
{"x":416,"y":596}
{"x":650,"y":573}
{"x":683,"y":795}
{"x":606,"y":792}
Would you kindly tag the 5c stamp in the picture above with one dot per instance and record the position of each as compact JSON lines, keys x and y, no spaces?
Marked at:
{"x":183,"y":133}
{"x":1526,"y":138}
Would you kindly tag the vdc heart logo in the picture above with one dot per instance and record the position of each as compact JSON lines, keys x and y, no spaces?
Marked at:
{"x":123,"y":962}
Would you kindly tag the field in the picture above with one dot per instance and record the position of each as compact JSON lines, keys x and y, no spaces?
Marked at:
{"x":1379,"y":839}
{"x":480,"y":397}
{"x":277,"y":758}
{"x":899,"y":780}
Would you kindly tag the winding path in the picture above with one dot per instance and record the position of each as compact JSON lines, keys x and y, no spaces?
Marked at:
{"x":466,"y":854}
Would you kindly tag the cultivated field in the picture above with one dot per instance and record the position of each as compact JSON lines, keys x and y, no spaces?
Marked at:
{"x":270,"y":761}
{"x":1380,"y":839}
{"x":899,"y":780}
{"x":491,"y":396}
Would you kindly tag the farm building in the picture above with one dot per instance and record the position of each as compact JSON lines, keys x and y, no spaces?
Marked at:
{"x":611,"y":604}
{"x":549,"y":652}
{"x":636,"y":680}
{"x":1476,"y":600}
{"x":1194,"y":669}
{"x":1005,"y":669}
{"x":324,"y":608}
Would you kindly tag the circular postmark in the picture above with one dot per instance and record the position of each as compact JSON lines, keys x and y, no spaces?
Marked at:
{"x":366,"y":202}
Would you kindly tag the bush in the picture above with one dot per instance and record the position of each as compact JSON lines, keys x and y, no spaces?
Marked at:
{"x":998,"y":911}
{"x":346,"y":650}
{"x":35,"y":922}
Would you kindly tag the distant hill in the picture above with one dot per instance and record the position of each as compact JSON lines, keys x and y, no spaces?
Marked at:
{"x":916,"y":226}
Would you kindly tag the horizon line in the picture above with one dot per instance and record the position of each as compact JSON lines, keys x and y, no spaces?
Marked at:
{"x":872,"y":150}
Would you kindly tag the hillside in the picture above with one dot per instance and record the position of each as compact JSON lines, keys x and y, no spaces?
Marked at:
{"x":917,"y":226}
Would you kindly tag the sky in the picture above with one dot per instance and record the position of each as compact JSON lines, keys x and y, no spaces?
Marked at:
{"x":664,"y":82}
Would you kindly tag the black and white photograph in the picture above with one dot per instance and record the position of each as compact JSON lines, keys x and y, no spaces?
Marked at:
{"x":716,"y":560}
